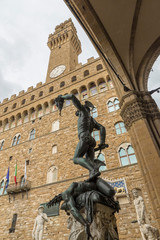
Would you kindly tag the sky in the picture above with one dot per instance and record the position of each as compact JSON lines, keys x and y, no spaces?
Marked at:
{"x":24,"y":29}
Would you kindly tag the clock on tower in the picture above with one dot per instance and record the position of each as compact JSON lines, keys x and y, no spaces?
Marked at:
{"x":65,"y":48}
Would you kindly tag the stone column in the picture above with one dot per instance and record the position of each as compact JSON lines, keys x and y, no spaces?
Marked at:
{"x":102,"y":228}
{"x":142,"y":120}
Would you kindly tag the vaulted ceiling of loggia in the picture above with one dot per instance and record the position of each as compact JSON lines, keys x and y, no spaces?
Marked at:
{"x":118,"y":18}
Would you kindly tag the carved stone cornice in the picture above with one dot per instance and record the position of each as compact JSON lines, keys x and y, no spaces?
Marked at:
{"x":138,"y":105}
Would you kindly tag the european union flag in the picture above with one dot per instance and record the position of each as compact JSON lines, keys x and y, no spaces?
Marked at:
{"x":7,"y":178}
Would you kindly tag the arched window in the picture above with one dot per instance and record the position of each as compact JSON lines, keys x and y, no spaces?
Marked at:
{"x":26,"y":116}
{"x":13,"y":122}
{"x":32,"y":134}
{"x":39,"y":111}
{"x":94,"y":112}
{"x":41,"y":94}
{"x":19,"y":119}
{"x":6,"y":124}
{"x":51,"y":89}
{"x":99,"y":67}
{"x":110,"y":83}
{"x":93,"y":89}
{"x":53,"y":106}
{"x":113,"y":104}
{"x":32,"y":97}
{"x":3,"y":186}
{"x":1,"y":145}
{"x":95,"y":135}
{"x":16,"y":140}
{"x":84,"y":94}
{"x":23,"y":101}
{"x":86,"y":73}
{"x":62,"y":84}
{"x":102,"y":85}
{"x":54,"y":149}
{"x":46,"y":108}
{"x":14,"y":105}
{"x":5,"y":109}
{"x":33,"y":113}
{"x":120,"y":128}
{"x":52,"y":174}
{"x":126,"y":154}
{"x":74,"y":78}
{"x":101,"y":157}
{"x":22,"y":181}
{"x":55,"y":126}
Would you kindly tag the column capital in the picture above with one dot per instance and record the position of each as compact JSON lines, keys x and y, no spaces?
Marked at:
{"x":138,"y":105}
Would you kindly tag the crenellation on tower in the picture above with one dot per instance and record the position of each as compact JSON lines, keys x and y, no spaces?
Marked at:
{"x":13,"y":97}
{"x":21,"y":93}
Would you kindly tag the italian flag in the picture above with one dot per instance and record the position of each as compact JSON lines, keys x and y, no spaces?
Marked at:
{"x":15,"y":175}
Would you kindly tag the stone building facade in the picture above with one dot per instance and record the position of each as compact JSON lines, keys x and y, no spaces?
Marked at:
{"x":36,"y":138}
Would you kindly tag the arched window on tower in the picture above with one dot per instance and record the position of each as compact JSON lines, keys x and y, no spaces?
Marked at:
{"x":25,"y":116}
{"x":41,"y":94}
{"x":92,"y":88}
{"x":52,"y":174}
{"x":46,"y":108}
{"x":32,"y":134}
{"x":102,"y":85}
{"x":14,"y":105}
{"x":120,"y":128}
{"x":39,"y":111}
{"x":74,"y":78}
{"x":23,"y":101}
{"x":126,"y":154}
{"x":51,"y":89}
{"x":83,"y":92}
{"x":110,"y":83}
{"x":113,"y":104}
{"x":62,"y":84}
{"x":32,"y":97}
{"x":19,"y":119}
{"x":5,"y":109}
{"x":99,"y":67}
{"x":6,"y":124}
{"x":86,"y":73}
{"x":13,"y":122}
{"x":53,"y":105}
{"x":32,"y":114}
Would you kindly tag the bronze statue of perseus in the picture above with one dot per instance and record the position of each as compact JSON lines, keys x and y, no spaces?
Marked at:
{"x":85,"y":154}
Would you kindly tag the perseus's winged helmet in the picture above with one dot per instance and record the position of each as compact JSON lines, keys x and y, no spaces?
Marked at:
{"x":89,"y":105}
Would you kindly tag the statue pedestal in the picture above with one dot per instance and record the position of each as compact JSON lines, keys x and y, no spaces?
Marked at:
{"x":102,"y":228}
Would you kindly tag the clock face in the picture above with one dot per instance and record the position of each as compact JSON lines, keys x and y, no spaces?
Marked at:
{"x":57,"y":71}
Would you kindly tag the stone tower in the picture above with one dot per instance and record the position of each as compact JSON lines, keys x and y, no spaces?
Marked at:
{"x":65,"y":48}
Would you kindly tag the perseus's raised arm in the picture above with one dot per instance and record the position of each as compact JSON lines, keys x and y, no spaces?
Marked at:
{"x":75,"y":101}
